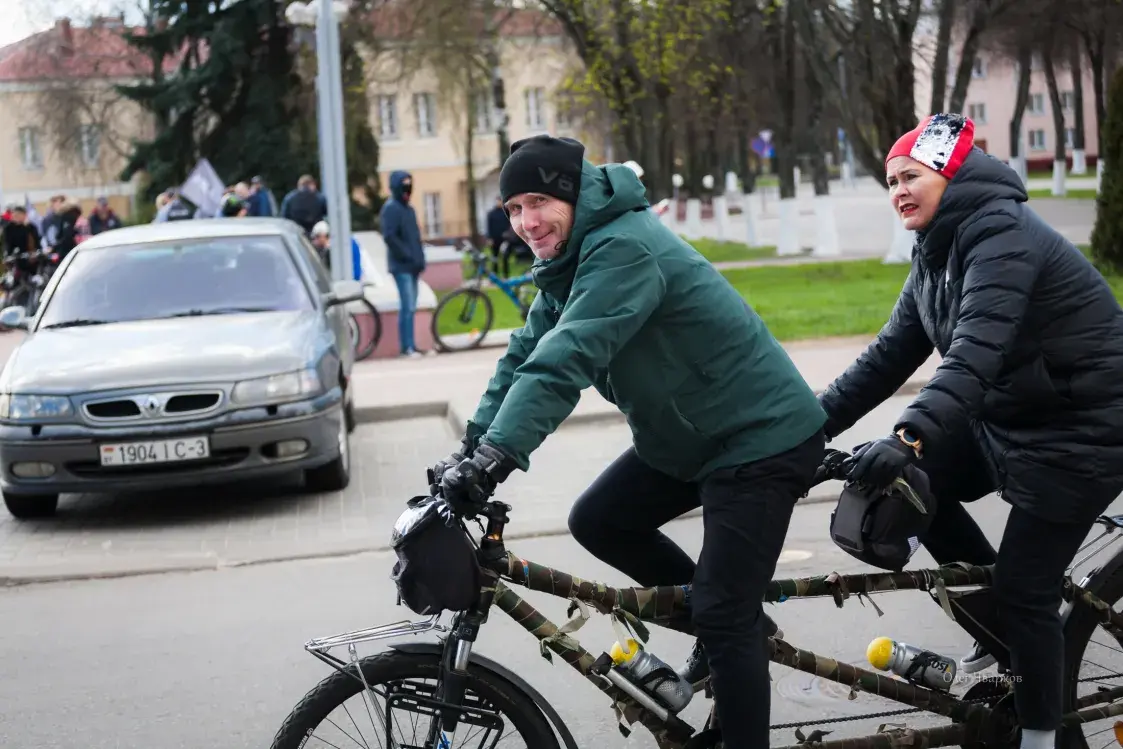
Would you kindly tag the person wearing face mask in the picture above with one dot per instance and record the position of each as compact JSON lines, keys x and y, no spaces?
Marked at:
{"x":1028,"y":400}
{"x":405,"y":254}
{"x":720,"y":416}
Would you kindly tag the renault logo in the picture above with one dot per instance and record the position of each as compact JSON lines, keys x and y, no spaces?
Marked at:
{"x":151,"y":405}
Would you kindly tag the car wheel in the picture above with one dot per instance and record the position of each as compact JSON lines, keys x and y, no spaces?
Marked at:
{"x":31,"y":506}
{"x":336,"y":475}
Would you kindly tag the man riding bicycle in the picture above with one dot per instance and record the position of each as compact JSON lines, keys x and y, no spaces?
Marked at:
{"x":720,"y":416}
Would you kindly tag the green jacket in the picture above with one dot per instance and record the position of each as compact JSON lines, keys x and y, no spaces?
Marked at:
{"x":635,"y":311}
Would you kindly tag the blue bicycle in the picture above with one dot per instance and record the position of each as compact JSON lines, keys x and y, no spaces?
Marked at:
{"x":463,"y":318}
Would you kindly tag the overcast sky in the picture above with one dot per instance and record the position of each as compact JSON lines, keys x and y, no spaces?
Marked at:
{"x":23,"y":18}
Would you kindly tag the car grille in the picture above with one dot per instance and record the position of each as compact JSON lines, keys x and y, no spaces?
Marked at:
{"x":153,"y":407}
{"x":218,"y":459}
{"x":113,"y":409}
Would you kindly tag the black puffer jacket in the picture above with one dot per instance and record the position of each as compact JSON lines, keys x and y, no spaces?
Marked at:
{"x":1032,"y":345}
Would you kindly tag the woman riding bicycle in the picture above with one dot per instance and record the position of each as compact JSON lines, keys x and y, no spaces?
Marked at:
{"x":721,"y":417}
{"x":1028,"y":400}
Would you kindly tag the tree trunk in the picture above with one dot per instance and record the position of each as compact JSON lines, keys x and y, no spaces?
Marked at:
{"x":940,"y":64}
{"x":1058,"y":121}
{"x":1025,"y":57}
{"x":469,"y":168}
{"x":1096,"y":60}
{"x":746,"y":172}
{"x":1078,"y":163}
{"x":967,"y":58}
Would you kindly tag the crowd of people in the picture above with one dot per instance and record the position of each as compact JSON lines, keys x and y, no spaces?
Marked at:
{"x":59,"y":231}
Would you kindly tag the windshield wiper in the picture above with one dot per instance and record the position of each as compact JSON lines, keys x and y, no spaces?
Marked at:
{"x":81,"y":322}
{"x":219,"y":311}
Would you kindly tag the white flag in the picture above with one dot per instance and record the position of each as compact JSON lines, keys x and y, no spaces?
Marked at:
{"x":204,"y":188}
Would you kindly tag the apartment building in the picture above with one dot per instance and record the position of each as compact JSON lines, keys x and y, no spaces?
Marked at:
{"x":424,"y":131}
{"x":991,"y":96}
{"x":65,"y":130}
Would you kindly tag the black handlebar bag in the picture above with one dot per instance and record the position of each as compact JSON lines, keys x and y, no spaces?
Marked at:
{"x":884,"y":527}
{"x":437,"y":569}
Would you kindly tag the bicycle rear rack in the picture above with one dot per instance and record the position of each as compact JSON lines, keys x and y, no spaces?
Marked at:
{"x":382,"y":632}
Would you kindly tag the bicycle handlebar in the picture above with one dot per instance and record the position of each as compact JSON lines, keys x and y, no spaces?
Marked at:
{"x":836,"y":466}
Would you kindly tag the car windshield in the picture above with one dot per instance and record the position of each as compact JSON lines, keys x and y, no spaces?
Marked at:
{"x":212,"y":276}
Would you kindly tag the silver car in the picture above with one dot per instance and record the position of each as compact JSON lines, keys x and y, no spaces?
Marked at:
{"x":178,"y":354}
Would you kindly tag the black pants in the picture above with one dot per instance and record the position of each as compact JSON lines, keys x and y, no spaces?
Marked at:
{"x":746,"y":511}
{"x":1029,"y":568}
{"x":501,"y":251}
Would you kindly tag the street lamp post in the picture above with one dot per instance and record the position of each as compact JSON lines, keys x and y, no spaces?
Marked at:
{"x":325,"y":17}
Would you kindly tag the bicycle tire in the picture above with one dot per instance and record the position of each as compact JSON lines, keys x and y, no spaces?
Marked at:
{"x":1078,"y":629}
{"x":390,"y":666}
{"x":489,"y":315}
{"x":356,"y":330}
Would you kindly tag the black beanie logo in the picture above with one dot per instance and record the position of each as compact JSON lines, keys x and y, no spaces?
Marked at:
{"x":564,"y":183}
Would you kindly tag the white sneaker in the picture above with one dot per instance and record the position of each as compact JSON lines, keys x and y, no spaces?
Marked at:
{"x":411,"y":355}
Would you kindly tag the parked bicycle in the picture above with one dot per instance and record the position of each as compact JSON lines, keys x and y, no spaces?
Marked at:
{"x":364,"y":335}
{"x":442,"y":692}
{"x":25,"y":276}
{"x":464,"y":317}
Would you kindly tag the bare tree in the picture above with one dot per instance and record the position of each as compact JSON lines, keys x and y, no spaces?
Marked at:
{"x":76,"y":100}
{"x":874,"y":41}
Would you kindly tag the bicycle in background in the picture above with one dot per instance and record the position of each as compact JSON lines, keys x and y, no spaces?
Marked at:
{"x":463,"y":318}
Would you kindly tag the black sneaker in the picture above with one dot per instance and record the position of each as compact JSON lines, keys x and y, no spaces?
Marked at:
{"x":697,"y":666}
{"x":977,"y":660}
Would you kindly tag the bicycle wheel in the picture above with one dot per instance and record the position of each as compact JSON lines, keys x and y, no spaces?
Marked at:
{"x":403,"y":705}
{"x":462,"y":319}
{"x":1093,"y":662}
{"x":364,"y":341}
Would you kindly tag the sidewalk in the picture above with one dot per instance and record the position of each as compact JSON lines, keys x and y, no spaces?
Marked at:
{"x":450,"y":385}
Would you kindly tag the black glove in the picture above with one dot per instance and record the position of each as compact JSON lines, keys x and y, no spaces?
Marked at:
{"x":469,"y":484}
{"x":880,"y":462}
{"x":438,"y":469}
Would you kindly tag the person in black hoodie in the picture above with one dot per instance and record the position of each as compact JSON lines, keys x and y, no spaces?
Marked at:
{"x":1028,"y":400}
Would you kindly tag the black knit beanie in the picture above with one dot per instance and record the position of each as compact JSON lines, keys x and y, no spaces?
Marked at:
{"x":543,"y":164}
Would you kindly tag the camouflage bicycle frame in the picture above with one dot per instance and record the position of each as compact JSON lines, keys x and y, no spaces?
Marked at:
{"x":667,"y":607}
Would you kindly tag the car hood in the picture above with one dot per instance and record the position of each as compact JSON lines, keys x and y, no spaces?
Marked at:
{"x":210,"y":348}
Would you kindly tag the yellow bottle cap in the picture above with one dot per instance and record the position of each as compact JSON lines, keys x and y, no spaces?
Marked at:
{"x":618,"y":655}
{"x":879,"y":652}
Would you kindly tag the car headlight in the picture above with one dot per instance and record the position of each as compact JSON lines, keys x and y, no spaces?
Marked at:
{"x":16,"y":407}
{"x":277,"y":388}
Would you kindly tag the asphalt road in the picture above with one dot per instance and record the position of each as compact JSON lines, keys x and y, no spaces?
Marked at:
{"x":215,"y":659}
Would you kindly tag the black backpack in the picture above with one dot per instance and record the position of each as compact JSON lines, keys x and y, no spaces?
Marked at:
{"x":437,"y":568}
{"x":884,"y":527}
{"x":305,"y":209}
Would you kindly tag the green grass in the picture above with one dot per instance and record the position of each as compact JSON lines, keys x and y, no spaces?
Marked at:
{"x":1081,"y":193}
{"x":815,"y":300}
{"x":821,"y":299}
{"x":720,"y":252}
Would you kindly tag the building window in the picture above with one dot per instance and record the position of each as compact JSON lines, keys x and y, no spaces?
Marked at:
{"x":978,"y":113}
{"x":425,"y":109}
{"x":1067,"y":101}
{"x":29,"y":149}
{"x":1037,"y":140}
{"x":979,"y":69}
{"x":388,"y":116}
{"x":433,"y":214}
{"x":1036,"y":104}
{"x":484,"y":109}
{"x":536,"y":108}
{"x":89,"y":145}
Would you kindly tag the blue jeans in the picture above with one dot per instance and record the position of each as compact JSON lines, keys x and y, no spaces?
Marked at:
{"x":407,"y":293}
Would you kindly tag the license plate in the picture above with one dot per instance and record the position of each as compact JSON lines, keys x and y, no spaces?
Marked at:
{"x":156,"y":451}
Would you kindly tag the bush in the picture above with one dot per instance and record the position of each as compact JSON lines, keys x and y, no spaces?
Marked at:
{"x":1107,"y":234}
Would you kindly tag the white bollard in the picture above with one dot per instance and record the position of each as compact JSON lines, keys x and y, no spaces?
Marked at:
{"x":721,"y":218}
{"x":826,"y":229}
{"x":693,"y":227}
{"x":789,"y":227}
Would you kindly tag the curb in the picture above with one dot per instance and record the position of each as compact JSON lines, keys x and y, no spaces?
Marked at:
{"x":422,"y":409}
{"x":64,"y":574}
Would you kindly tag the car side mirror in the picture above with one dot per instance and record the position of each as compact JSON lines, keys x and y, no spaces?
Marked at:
{"x":14,"y":317}
{"x":343,"y":292}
